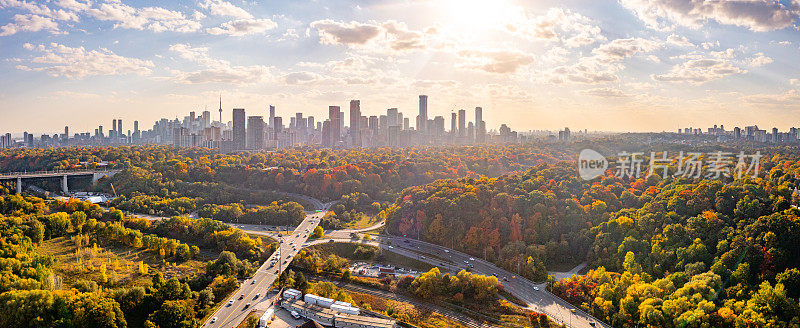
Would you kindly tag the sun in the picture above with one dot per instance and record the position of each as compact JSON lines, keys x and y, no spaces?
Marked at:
{"x":477,"y":15}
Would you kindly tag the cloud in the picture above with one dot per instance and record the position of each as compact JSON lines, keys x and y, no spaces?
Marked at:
{"x":241,"y":27}
{"x":783,"y":43}
{"x":586,"y":71}
{"x":215,"y":70}
{"x":787,"y":98}
{"x":73,"y":5}
{"x":727,"y":53}
{"x":224,"y":8}
{"x":29,"y":23}
{"x":760,"y":60}
{"x":558,"y":24}
{"x":495,"y":61}
{"x":620,"y":49}
{"x":77,"y":63}
{"x":76,"y":95}
{"x":40,"y":10}
{"x":353,"y":33}
{"x":156,"y":19}
{"x":679,"y":40}
{"x":698,"y":71}
{"x":390,"y":37}
{"x":757,"y":15}
{"x":305,"y":78}
{"x":603,"y":65}
{"x":604,"y":92}
{"x":402,"y":38}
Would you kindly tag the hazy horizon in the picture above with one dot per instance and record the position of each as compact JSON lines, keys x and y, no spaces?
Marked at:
{"x":631,"y":65}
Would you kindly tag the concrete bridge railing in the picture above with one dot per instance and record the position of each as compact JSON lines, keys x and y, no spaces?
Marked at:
{"x":63,"y":174}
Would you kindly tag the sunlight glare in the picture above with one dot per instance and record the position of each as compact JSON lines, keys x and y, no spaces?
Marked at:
{"x":477,"y":15}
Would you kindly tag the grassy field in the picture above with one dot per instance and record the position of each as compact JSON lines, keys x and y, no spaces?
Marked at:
{"x":121,"y":264}
{"x":562,"y":267}
{"x":346,"y":250}
{"x":366,"y":221}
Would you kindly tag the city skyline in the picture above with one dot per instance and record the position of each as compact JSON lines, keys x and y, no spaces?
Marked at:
{"x":620,"y":66}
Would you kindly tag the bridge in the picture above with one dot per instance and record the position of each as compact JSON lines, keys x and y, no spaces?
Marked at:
{"x":62,"y":174}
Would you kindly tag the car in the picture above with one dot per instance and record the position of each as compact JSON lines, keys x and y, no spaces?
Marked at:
{"x":572,"y":310}
{"x":257,"y":296}
{"x":288,"y":256}
{"x":330,"y":241}
{"x":536,"y":288}
{"x":505,"y":278}
{"x":241,"y":296}
{"x":295,"y":315}
{"x":472,"y":259}
{"x":591,"y":323}
{"x":214,"y":319}
{"x":465,"y":262}
{"x":446,"y":251}
{"x":230,"y":302}
{"x":252,"y":282}
{"x":285,"y":262}
{"x":422,"y":257}
{"x":391,"y":247}
{"x":247,"y":305}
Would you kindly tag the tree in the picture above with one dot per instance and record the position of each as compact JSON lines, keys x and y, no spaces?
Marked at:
{"x":205,"y":298}
{"x":173,"y":289}
{"x":790,"y":279}
{"x":173,"y":314}
{"x":300,"y":281}
{"x":318,"y":232}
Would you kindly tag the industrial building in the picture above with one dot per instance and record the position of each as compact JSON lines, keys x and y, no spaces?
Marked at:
{"x":331,"y":313}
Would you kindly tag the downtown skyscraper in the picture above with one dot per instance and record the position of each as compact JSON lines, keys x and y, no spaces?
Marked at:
{"x":239,"y":141}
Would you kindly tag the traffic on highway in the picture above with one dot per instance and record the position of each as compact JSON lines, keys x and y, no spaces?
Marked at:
{"x":253,"y":291}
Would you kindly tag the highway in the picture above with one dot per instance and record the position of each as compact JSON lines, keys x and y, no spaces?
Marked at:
{"x":451,"y":260}
{"x":254,"y":290}
{"x":447,"y":259}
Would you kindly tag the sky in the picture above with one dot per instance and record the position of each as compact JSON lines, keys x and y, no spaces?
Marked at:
{"x":627,"y":65}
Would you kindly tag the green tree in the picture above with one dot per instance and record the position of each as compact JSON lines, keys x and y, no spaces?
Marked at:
{"x":173,"y":314}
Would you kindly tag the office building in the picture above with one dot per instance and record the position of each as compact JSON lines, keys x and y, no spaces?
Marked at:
{"x":255,"y":133}
{"x":355,"y":123}
{"x":335,"y":125}
{"x":239,"y":141}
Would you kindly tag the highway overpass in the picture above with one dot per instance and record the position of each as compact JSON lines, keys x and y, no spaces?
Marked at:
{"x":63,"y":175}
